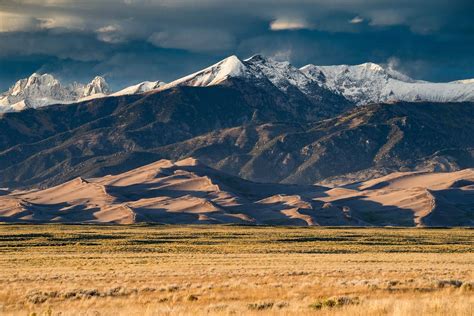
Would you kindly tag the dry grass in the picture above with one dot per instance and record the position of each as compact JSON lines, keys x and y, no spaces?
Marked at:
{"x":220,"y":270}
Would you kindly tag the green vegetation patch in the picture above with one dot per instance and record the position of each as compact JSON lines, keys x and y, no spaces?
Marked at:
{"x":231,"y":239}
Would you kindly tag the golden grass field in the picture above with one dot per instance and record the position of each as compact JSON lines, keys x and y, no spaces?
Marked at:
{"x":229,"y":270}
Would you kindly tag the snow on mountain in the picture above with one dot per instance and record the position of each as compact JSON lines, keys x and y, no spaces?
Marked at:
{"x":282,"y":74}
{"x":41,"y":90}
{"x":256,"y":69}
{"x":230,"y":67}
{"x":142,"y":87}
{"x":372,"y":83}
{"x":97,"y":86}
{"x":360,"y":84}
{"x":465,"y":81}
{"x":280,"y":84}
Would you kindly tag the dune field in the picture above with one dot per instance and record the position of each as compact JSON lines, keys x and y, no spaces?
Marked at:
{"x":188,"y":192}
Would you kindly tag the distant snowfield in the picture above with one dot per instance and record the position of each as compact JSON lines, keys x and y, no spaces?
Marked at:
{"x":139,"y":88}
{"x":361,"y":84}
{"x":372,"y":83}
{"x":41,"y":90}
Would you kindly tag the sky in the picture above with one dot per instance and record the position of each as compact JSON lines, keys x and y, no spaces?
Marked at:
{"x":129,"y":41}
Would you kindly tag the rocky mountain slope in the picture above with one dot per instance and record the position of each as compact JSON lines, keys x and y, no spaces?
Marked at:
{"x":272,"y":78}
{"x":52,"y":140}
{"x":365,"y":142}
{"x":187,"y":192}
{"x":257,"y":139}
{"x":371,"y":83}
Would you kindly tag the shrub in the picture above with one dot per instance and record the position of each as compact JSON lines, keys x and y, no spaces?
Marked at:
{"x":260,"y":306}
{"x":192,"y":298}
{"x":468,"y":286}
{"x":173,"y":288}
{"x":282,"y":305}
{"x":39,"y":297}
{"x":448,"y":283}
{"x":334,"y":302}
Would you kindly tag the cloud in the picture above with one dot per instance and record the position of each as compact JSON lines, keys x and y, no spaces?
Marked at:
{"x":437,"y":32}
{"x":282,"y":55}
{"x":387,"y":17}
{"x":64,"y":45}
{"x":62,"y":22}
{"x":172,"y":13}
{"x":11,"y":22}
{"x":356,"y":20}
{"x":393,"y":62}
{"x":285,"y":24}
{"x":196,"y":40}
{"x":110,"y":34}
{"x":17,"y":22}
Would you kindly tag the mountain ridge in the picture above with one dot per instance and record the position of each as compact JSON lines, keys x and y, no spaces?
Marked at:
{"x":42,"y":90}
{"x":256,"y":141}
{"x":360,"y":84}
{"x":372,"y":83}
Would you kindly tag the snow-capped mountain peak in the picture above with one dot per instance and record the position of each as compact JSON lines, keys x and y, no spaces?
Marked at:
{"x":372,"y":66}
{"x":230,"y":67}
{"x":257,"y":69}
{"x":273,"y":78}
{"x":98,"y":85}
{"x":360,"y":84}
{"x":373,"y":83}
{"x":44,"y":89}
{"x":280,"y":73}
{"x":35,"y":82}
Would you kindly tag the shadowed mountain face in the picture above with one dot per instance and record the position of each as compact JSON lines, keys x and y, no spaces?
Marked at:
{"x":47,"y":145}
{"x":371,"y":140}
{"x":188,"y":192}
{"x":358,"y":145}
{"x":237,"y":128}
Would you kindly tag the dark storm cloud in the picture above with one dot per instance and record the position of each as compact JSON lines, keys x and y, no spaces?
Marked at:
{"x":135,"y":40}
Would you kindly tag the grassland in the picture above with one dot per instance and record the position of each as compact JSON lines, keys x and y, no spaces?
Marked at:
{"x":225,"y":270}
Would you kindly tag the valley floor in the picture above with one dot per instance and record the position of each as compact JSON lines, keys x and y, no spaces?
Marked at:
{"x":229,"y":270}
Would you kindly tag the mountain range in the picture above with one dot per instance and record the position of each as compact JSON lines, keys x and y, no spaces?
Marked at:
{"x":316,"y":129}
{"x":372,"y":83}
{"x":41,"y":90}
{"x":359,"y":84}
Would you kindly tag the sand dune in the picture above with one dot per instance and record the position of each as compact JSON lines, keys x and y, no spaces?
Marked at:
{"x":405,"y":180}
{"x":188,"y":192}
{"x":411,"y":198}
